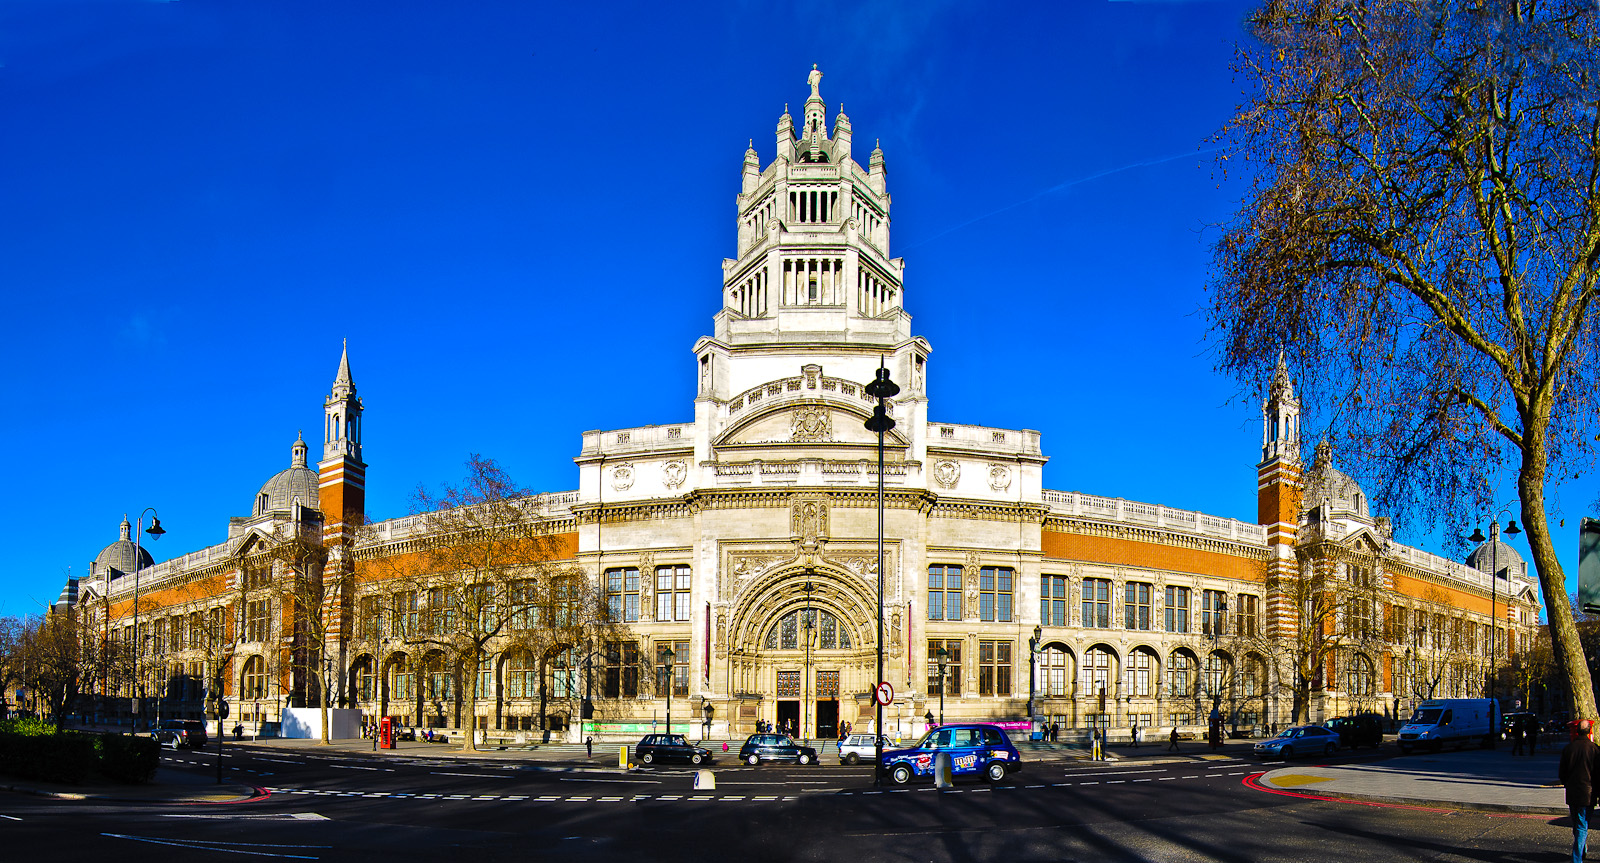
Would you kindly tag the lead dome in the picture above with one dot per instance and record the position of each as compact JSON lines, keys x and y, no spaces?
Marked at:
{"x":118,"y":557}
{"x":1327,"y":484}
{"x":295,"y":483}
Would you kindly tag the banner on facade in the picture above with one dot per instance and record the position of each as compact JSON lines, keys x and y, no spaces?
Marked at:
{"x":1589,"y":566}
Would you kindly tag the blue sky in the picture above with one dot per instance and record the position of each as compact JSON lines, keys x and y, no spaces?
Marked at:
{"x":516,"y":213}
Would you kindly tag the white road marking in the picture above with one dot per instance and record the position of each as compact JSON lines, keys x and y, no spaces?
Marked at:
{"x":289,"y":816}
{"x":469,"y":775}
{"x":218,"y":846}
{"x":621,"y":781}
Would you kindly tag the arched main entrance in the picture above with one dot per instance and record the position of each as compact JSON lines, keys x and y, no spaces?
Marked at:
{"x":805,"y":661}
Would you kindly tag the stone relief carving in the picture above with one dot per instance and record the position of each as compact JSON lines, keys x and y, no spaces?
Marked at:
{"x":722,"y":633}
{"x":751,"y":565}
{"x":947,"y":474}
{"x":647,"y":584}
{"x":809,"y":519}
{"x":673,"y":473}
{"x":622,"y":477}
{"x":812,"y":423}
{"x":999,"y":477}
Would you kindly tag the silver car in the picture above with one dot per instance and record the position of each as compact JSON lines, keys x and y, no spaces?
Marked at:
{"x":860,"y":747}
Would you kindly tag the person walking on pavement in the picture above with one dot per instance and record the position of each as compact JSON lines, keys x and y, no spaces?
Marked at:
{"x":1135,"y":734}
{"x":588,"y":746}
{"x":1173,"y":745}
{"x":1577,"y":774}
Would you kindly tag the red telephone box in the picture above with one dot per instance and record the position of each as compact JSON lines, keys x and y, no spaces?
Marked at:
{"x":386,"y":733}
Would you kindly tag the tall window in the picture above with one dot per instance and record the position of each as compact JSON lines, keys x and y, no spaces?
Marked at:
{"x":672,"y":669}
{"x":994,"y":668}
{"x":404,"y":620}
{"x":952,"y":666}
{"x":524,"y":602}
{"x":622,"y":594}
{"x":159,"y":639}
{"x":1253,"y":681}
{"x":1213,"y":604}
{"x":366,"y":680}
{"x":1097,"y":602}
{"x":622,"y":669}
{"x":672,"y":593}
{"x":1136,"y":605}
{"x":1097,"y":672}
{"x":1177,"y":609}
{"x":1056,"y":672}
{"x":484,"y":685}
{"x":1180,"y":675}
{"x":1359,"y":677}
{"x":1053,"y":600}
{"x":1216,"y":674}
{"x":1141,"y":665}
{"x":1247,"y":619}
{"x":994,"y":594}
{"x":255,"y":619}
{"x":944,"y":592}
{"x":402,"y":681}
{"x":521,"y":676}
{"x":564,"y":674}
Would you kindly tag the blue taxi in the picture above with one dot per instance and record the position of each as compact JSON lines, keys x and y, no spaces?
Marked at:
{"x":975,"y":750}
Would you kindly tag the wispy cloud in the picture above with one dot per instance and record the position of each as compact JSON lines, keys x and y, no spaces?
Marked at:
{"x":1063,"y":185}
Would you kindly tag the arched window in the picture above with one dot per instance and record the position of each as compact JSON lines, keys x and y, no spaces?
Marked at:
{"x":1254,"y":680}
{"x":828,"y":634}
{"x":1140,"y":676}
{"x":254,"y":683}
{"x":1216,"y":678}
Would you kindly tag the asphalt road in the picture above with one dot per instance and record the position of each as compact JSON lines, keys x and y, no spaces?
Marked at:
{"x":339,"y":806}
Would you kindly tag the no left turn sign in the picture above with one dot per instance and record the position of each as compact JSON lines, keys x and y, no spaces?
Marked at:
{"x":885,"y":693}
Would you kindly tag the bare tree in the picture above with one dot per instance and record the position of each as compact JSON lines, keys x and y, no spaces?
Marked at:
{"x":487,"y":573}
{"x":1421,"y":237}
{"x":62,"y":651}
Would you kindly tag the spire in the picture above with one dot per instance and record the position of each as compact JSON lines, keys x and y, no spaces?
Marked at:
{"x":1281,"y":384}
{"x":127,"y":529}
{"x":342,"y":384}
{"x":297,"y":452}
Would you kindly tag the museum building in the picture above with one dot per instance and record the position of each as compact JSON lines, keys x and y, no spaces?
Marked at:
{"x":741,"y":548}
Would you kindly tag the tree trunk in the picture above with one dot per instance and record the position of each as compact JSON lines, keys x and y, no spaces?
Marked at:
{"x":322,"y":685}
{"x":1568,"y":647}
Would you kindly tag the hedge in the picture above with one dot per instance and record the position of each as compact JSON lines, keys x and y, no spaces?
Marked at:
{"x":31,"y":749}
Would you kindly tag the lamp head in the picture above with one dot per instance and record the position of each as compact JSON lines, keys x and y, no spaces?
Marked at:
{"x":881,"y":387}
{"x":1477,"y":536}
{"x":155,"y":530}
{"x":1511,"y":528}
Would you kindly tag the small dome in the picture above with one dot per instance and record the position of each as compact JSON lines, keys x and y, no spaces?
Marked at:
{"x":1326,"y":484}
{"x":298,"y":482}
{"x":118,"y":557}
{"x":1491,"y":555}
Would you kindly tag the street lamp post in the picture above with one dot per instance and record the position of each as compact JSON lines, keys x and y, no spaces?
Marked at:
{"x":156,"y":533}
{"x":881,"y":389}
{"x":1033,"y":673}
{"x":943,"y":655}
{"x":667,"y":654}
{"x":1494,"y":584}
{"x":805,"y":632}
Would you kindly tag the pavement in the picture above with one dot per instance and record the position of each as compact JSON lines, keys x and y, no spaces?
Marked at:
{"x":1473,"y":779}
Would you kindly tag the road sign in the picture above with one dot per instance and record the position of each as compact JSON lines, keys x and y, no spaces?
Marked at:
{"x":885,"y":693}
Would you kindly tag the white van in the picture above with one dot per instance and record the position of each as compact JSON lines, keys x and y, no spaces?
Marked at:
{"x":1457,"y":721}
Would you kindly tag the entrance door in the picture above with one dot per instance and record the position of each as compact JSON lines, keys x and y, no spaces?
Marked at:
{"x":827,"y":719}
{"x":789,"y":717}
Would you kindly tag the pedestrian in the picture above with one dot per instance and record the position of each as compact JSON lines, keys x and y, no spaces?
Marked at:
{"x":1135,"y":734}
{"x":588,"y":745}
{"x":1172,"y":745}
{"x":724,"y":747}
{"x":1516,"y":738}
{"x":238,"y":731}
{"x":1577,"y":774}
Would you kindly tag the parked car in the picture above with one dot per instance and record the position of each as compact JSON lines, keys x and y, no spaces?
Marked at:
{"x":858,"y":747}
{"x":1362,"y":729}
{"x":975,"y":750}
{"x":181,"y":733}
{"x":670,"y":747}
{"x":775,"y":747}
{"x":1525,"y":721}
{"x":1302,"y":739}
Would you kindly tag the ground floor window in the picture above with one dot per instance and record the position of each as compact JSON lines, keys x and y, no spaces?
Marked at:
{"x":622,"y":670}
{"x":994,"y":668}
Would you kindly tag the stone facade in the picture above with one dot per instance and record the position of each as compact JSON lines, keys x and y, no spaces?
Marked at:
{"x":728,"y":534}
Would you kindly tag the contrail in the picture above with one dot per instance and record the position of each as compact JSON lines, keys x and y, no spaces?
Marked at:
{"x":1058,"y":187}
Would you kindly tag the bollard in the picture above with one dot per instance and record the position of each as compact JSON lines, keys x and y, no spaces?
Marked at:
{"x":704,"y":780}
{"x":622,"y":757}
{"x":941,"y":771}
